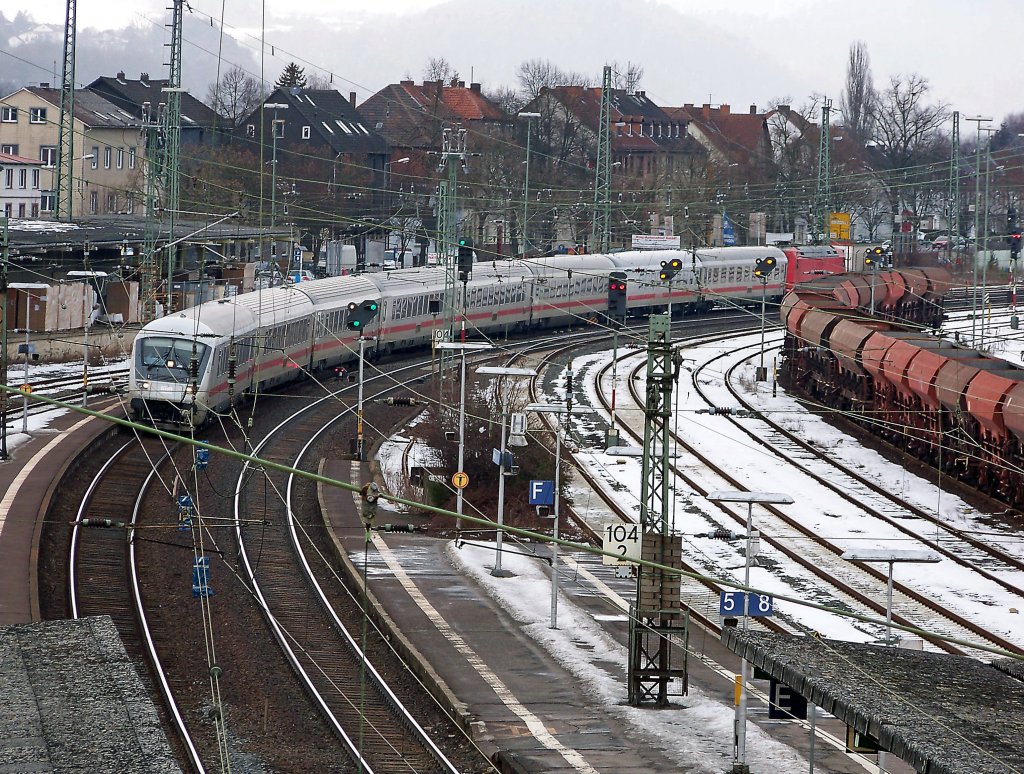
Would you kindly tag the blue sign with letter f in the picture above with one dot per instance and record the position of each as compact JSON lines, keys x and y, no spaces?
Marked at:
{"x":542,"y":493}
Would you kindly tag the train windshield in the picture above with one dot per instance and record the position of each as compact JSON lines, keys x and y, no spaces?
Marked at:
{"x":163,"y":359}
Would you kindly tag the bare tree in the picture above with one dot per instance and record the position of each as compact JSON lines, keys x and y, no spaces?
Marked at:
{"x":909,"y":143}
{"x":236,"y":96}
{"x":535,"y":75}
{"x":859,"y":97}
{"x":440,"y":69}
{"x":319,"y":82}
{"x":507,"y":98}
{"x":627,"y":77}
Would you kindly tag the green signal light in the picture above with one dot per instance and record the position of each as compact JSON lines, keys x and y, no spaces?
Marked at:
{"x":356,"y":323}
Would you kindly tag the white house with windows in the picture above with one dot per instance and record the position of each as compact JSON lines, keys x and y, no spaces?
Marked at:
{"x":22,"y":182}
{"x":107,"y":153}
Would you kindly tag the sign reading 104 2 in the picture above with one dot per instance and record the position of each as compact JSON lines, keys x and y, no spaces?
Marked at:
{"x":623,"y":540}
{"x":737,"y":603}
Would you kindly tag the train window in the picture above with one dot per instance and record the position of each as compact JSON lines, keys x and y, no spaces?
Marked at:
{"x":163,"y":358}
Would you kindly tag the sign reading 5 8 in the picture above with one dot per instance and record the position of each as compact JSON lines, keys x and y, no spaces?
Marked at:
{"x":736,"y":603}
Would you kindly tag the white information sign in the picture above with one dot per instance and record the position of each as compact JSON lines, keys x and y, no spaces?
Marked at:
{"x":655,"y":242}
{"x":623,"y":540}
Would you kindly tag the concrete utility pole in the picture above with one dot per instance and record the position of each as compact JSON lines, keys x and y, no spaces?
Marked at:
{"x":953,"y":199}
{"x":653,"y":618}
{"x":977,"y":206}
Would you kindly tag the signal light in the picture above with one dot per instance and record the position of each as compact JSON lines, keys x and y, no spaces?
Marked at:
{"x":670,"y":269}
{"x":617,"y":294}
{"x":359,"y":315}
{"x":465,"y":260}
{"x":765,"y":266}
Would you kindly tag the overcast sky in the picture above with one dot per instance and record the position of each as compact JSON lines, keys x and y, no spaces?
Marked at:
{"x":737,"y":51}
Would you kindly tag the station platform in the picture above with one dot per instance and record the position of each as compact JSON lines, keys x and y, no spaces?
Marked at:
{"x":29,"y":481}
{"x":526,"y":712}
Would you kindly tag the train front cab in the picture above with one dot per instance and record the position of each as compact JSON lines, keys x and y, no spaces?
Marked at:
{"x":167,"y":372}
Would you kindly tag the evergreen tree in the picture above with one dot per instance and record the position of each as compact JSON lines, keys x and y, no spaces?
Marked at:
{"x":292,"y":75}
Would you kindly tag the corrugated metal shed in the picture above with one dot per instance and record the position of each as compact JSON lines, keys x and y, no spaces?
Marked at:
{"x":941,"y":714}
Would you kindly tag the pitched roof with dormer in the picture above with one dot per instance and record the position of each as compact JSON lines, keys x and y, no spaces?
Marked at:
{"x":639,"y":125}
{"x":91,"y":109}
{"x":130,"y":95}
{"x":330,"y":116}
{"x":409,"y":115}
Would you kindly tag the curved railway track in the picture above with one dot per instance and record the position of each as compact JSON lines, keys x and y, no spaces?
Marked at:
{"x":102,"y":574}
{"x":690,"y":587}
{"x":785,"y":532}
{"x":373,"y":725}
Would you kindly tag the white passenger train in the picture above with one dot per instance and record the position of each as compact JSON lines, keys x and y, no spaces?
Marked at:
{"x":206,"y":358}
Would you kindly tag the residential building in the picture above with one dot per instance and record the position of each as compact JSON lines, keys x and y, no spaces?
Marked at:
{"x":740,"y":139}
{"x":21,"y":186}
{"x":107,"y":164}
{"x":198,"y":121}
{"x":328,"y":163}
{"x":411,"y":117}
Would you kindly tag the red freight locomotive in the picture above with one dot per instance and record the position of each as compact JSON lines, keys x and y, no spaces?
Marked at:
{"x":874,"y":352}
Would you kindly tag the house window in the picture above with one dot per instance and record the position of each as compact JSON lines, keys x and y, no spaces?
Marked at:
{"x":21,"y":210}
{"x":35,"y":179}
{"x":8,"y":210}
{"x":94,"y":199}
{"x":129,"y":203}
{"x":95,"y":156}
{"x":48,"y":155}
{"x":22,"y":178}
{"x":37,"y":115}
{"x":9,"y":115}
{"x":48,"y":201}
{"x":35,"y":209}
{"x":277,"y":127}
{"x":111,"y":202}
{"x":11,"y":149}
{"x":106,"y":156}
{"x":250,"y":130}
{"x":9,"y":178}
{"x":131,"y":157}
{"x":120,"y":158}
{"x":305,"y":132}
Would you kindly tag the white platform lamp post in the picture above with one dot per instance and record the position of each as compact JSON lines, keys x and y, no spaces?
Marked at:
{"x":559,"y":409}
{"x":763,"y":498}
{"x":512,"y":373}
{"x":462,"y":347}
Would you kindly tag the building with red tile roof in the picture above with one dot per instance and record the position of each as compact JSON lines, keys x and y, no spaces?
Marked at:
{"x":411,"y":116}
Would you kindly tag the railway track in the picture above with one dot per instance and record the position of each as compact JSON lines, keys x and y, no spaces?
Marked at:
{"x":322,"y":637}
{"x":103,"y":577}
{"x":785,"y":534}
{"x":691,"y":588}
